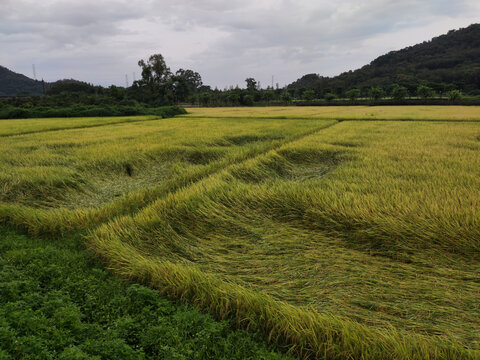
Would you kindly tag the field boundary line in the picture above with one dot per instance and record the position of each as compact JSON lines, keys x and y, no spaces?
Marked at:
{"x":414,"y":120}
{"x":270,"y":117}
{"x":327,"y":118}
{"x":127,"y":121}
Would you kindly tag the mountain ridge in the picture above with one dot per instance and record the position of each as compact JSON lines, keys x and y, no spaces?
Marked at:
{"x":445,"y":62}
{"x":14,"y":84}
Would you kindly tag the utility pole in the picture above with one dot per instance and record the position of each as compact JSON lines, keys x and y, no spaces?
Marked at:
{"x":126,"y":81}
{"x":34,"y":72}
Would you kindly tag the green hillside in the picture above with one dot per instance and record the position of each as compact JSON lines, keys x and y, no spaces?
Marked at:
{"x":13,"y":84}
{"x":446,"y":62}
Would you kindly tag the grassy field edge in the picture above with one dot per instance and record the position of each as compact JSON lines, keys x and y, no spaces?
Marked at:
{"x":58,"y":302}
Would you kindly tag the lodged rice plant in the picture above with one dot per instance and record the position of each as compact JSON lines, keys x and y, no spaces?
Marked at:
{"x":72,"y":179}
{"x":335,"y":239}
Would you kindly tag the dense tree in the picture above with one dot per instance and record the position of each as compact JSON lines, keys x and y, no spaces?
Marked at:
{"x":353,"y":94}
{"x":185,"y":83}
{"x":154,"y":71}
{"x":251,"y":84}
{"x":233,"y":98}
{"x":268,"y":95}
{"x":308,"y":95}
{"x":247,"y":100}
{"x":454,"y":95}
{"x":72,"y":86}
{"x":376,"y":93}
{"x":155,"y":86}
{"x":115,"y":92}
{"x":399,"y":92}
{"x":205,"y":98}
{"x":286,"y":97}
{"x":424,"y":92}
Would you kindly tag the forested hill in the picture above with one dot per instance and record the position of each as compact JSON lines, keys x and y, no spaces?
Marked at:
{"x":13,"y":84}
{"x":450,"y":61}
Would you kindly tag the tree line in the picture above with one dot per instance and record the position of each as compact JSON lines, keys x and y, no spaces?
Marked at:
{"x":159,"y":86}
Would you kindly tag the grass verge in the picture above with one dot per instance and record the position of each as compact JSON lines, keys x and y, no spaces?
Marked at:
{"x":57,"y":302}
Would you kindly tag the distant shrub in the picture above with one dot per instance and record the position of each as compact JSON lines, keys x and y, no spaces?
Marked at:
{"x":15,"y":113}
{"x":330,"y":96}
{"x":10,"y":112}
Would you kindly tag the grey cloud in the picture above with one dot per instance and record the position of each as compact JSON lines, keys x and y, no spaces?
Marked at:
{"x":224,"y":40}
{"x":61,"y":22}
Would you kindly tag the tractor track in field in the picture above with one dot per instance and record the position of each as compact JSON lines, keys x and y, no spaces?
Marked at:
{"x":127,"y":205}
{"x":181,"y":187}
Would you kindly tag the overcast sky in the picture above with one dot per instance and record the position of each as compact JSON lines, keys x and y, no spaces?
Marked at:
{"x":225,"y":41}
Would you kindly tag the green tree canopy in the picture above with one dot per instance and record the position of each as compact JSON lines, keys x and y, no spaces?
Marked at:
{"x":268,"y":95}
{"x":251,"y":84}
{"x":286,"y":97}
{"x":454,"y":95}
{"x":399,"y":92}
{"x":353,"y":94}
{"x":424,"y":92}
{"x":185,"y":83}
{"x":308,"y":95}
{"x":154,"y":70}
{"x":329,"y":96}
{"x":376,"y":93}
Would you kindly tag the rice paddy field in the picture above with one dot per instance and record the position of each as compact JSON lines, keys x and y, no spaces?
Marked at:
{"x":333,"y":238}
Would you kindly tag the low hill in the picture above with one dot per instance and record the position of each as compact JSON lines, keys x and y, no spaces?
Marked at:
{"x":13,"y":84}
{"x":443,"y":63}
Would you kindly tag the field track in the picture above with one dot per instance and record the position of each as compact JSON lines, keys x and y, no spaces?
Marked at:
{"x":56,"y":126}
